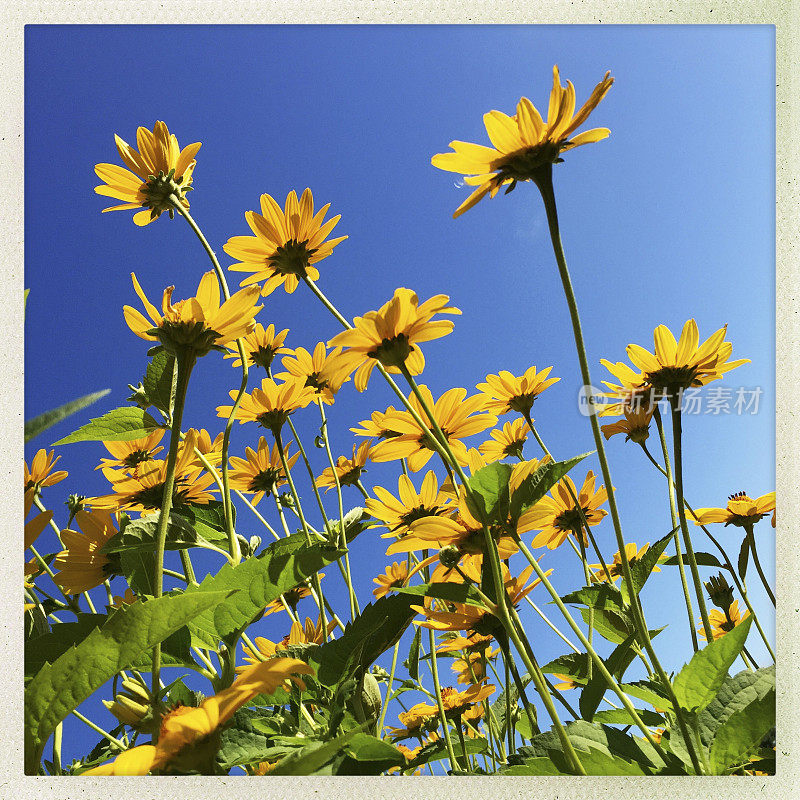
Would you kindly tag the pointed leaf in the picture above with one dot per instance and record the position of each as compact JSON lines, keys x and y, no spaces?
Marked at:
{"x":703,"y":560}
{"x":413,"y":655}
{"x":489,"y":487}
{"x":452,"y":592}
{"x":119,"y":425}
{"x":536,"y":486}
{"x":741,"y":734}
{"x":744,"y":555}
{"x":157,"y":380}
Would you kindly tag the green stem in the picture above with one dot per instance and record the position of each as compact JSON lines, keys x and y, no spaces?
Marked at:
{"x":674,"y":517}
{"x":58,"y":736}
{"x":587,"y":577}
{"x":752,"y":540}
{"x":438,"y":691}
{"x":676,"y":447}
{"x":388,"y":691}
{"x":236,"y":553}
{"x":258,"y":515}
{"x":98,"y":729}
{"x":184,"y":363}
{"x":188,"y":570}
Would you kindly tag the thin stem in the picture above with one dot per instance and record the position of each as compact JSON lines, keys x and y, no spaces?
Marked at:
{"x":257,"y":514}
{"x":98,"y":729}
{"x":551,"y":625}
{"x":676,"y":447}
{"x":438,"y":691}
{"x":388,"y":691}
{"x":674,"y":517}
{"x":752,"y":540}
{"x":188,"y":569}
{"x":236,"y":553}
{"x":183,"y":365}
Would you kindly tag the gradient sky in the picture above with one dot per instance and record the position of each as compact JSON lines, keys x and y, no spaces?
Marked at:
{"x":672,"y":217}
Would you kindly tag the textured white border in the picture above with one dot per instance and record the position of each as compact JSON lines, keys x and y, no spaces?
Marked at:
{"x":784,"y":14}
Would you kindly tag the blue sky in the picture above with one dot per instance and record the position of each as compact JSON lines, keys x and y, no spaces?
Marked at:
{"x":672,"y":217}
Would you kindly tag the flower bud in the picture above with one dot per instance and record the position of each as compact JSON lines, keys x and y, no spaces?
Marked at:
{"x":719,"y":592}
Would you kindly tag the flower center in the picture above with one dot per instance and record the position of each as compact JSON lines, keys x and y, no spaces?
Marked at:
{"x":292,"y":258}
{"x":265,"y":480}
{"x":273,"y":420}
{"x":672,"y":378}
{"x":522,"y":403}
{"x":417,"y":513}
{"x":136,"y":457}
{"x":392,"y":352}
{"x":570,"y":520}
{"x":263,"y":356}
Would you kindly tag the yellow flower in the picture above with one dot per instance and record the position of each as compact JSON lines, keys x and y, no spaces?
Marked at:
{"x":471,"y":669}
{"x":524,"y":143}
{"x":348,"y":470}
{"x":271,"y":405}
{"x":82,"y":565}
{"x":211,"y":450}
{"x":321,"y":371}
{"x":291,"y":597}
{"x":261,"y":345}
{"x":33,"y":528}
{"x":675,"y":365}
{"x":391,"y":335}
{"x":565,"y":682}
{"x":308,"y":633}
{"x":377,"y":425}
{"x":286,"y":243}
{"x":741,"y":510}
{"x":129,"y":455}
{"x":722,"y":622}
{"x":143,"y":490}
{"x":395,"y":576}
{"x":506,"y":441}
{"x":615,"y":570}
{"x":635,"y":426}
{"x":556,"y":515}
{"x":261,"y":471}
{"x":417,"y":720}
{"x":199,"y":323}
{"x":39,"y":474}
{"x":456,"y":703}
{"x":504,"y":392}
{"x":186,"y":732}
{"x":397,"y":513}
{"x":520,"y":472}
{"x":456,"y":416}
{"x":159,"y":169}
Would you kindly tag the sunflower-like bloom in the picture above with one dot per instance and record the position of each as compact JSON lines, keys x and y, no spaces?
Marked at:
{"x":129,"y":455}
{"x":286,"y":243}
{"x":392,"y":335}
{"x":524,"y":143}
{"x":556,"y":515}
{"x":457,"y":415}
{"x":615,"y":569}
{"x":271,"y":405}
{"x":261,"y":346}
{"x":40,"y":473}
{"x":324,"y":372}
{"x":397,"y":513}
{"x":457,"y":703}
{"x":199,"y":323}
{"x":472,"y":668}
{"x":395,"y":575}
{"x":83,"y":565}
{"x":377,"y":426}
{"x":211,"y":450}
{"x":505,"y":392}
{"x":143,"y":490}
{"x":741,"y":510}
{"x":159,"y":169}
{"x":520,"y":472}
{"x":724,"y":621}
{"x":419,"y":719}
{"x":33,"y":528}
{"x":565,"y":682}
{"x":348,"y":470}
{"x":291,"y":597}
{"x":309,"y":633}
{"x":635,"y":426}
{"x":675,"y":365}
{"x":187,"y":735}
{"x":261,"y":471}
{"x":506,"y":441}
{"x":461,"y":531}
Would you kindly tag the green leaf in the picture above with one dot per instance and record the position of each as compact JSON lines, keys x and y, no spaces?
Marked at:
{"x":744,"y":555}
{"x":207,"y":520}
{"x":619,"y":660}
{"x":741,"y":733}
{"x":379,"y":626}
{"x":413,"y":654}
{"x":47,"y":648}
{"x":140,"y":535}
{"x":489,"y":487}
{"x":697,"y":683}
{"x":571,"y":665}
{"x":619,"y":716}
{"x":610,"y":624}
{"x":157,"y":380}
{"x":599,"y":596}
{"x":119,"y":425}
{"x":241,"y":742}
{"x":703,"y":560}
{"x":139,"y":567}
{"x":60,"y":687}
{"x":735,"y":694}
{"x":261,"y":579}
{"x":312,"y":757}
{"x":534,"y":766}
{"x":646,"y":690}
{"x":44,"y":421}
{"x":452,"y":592}
{"x":536,"y":486}
{"x":438,"y":752}
{"x":597,"y":763}
{"x":365,"y":748}
{"x":642,"y":567}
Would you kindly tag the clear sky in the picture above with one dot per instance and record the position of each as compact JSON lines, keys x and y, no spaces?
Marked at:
{"x":672,"y":217}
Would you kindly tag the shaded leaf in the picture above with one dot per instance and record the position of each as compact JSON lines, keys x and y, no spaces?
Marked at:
{"x":741,"y":733}
{"x":157,"y":380}
{"x":489,"y":487}
{"x":537,"y":485}
{"x":619,"y":716}
{"x":703,"y":560}
{"x":744,"y":555}
{"x":207,"y":520}
{"x":599,"y":596}
{"x":642,"y":568}
{"x":438,"y":751}
{"x":413,"y":655}
{"x":311,"y":758}
{"x":453,"y":592}
{"x":119,"y":425}
{"x":571,"y":665}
